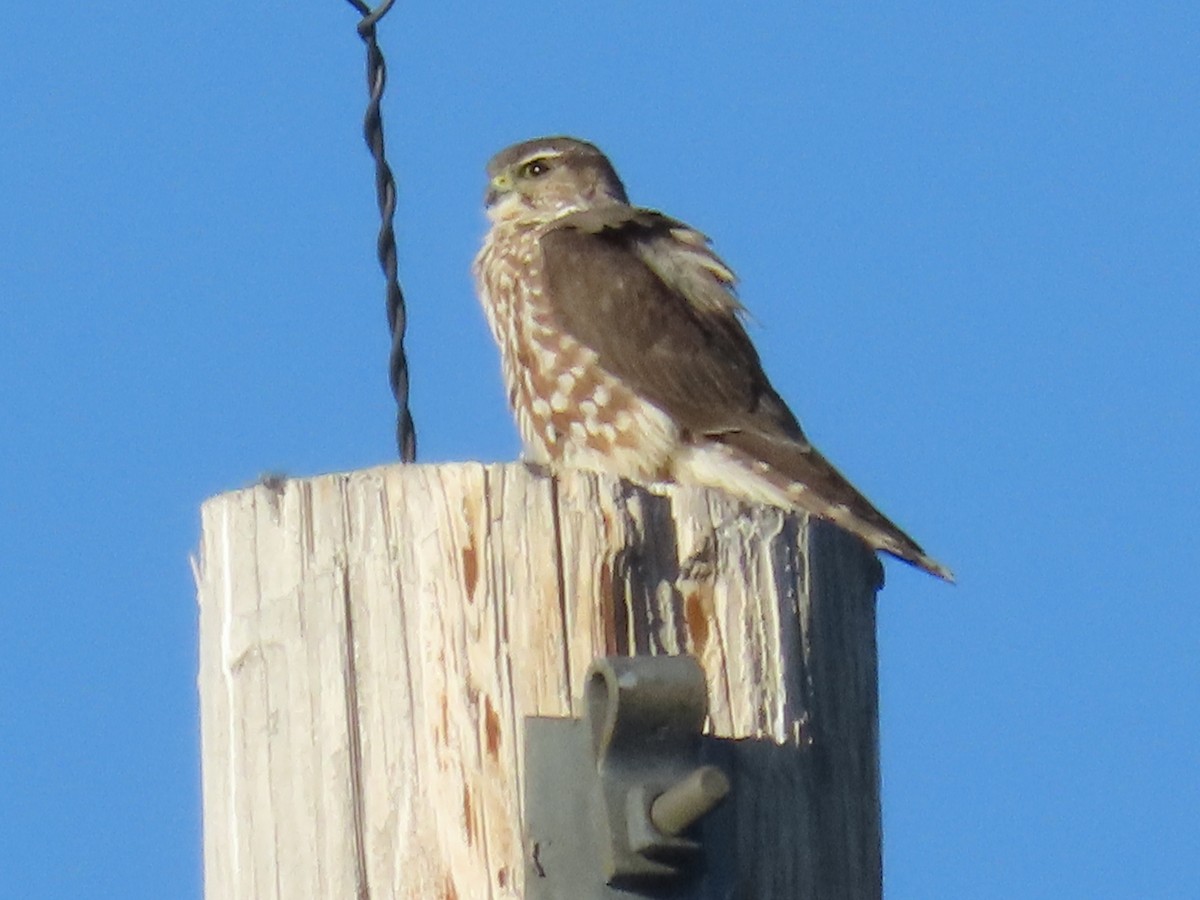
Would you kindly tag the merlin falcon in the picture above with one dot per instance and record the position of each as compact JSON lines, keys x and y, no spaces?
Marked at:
{"x":624,"y":352}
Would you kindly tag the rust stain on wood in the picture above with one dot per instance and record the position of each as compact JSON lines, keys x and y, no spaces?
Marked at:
{"x":443,"y":734}
{"x":607,"y":605}
{"x":696,"y":617}
{"x":470,"y":568}
{"x":491,"y":728}
{"x":468,"y":815}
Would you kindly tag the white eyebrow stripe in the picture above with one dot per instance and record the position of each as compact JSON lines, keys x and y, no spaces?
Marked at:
{"x":539,"y":154}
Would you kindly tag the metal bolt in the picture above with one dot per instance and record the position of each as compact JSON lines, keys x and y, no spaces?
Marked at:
{"x":686,"y":801}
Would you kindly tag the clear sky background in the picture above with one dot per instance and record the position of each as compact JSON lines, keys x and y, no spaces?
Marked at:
{"x":969,"y":235}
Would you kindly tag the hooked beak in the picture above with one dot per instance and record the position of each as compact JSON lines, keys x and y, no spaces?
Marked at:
{"x":497,"y":187}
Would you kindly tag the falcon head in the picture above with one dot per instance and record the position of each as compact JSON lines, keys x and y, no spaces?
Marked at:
{"x":545,"y":178}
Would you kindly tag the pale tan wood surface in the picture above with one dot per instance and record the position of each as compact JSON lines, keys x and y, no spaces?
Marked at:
{"x":371,"y":642}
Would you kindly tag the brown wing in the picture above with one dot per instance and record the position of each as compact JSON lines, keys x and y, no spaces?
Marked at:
{"x":661,"y":319}
{"x":644,"y":292}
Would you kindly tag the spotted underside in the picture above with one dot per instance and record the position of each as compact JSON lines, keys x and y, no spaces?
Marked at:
{"x":570,"y":411}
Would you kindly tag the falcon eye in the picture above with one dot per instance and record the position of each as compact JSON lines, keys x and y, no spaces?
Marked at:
{"x":535,"y":168}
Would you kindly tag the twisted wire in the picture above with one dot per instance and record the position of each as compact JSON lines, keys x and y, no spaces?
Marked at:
{"x":385,"y":194}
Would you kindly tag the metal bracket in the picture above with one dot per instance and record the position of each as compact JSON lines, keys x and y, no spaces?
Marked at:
{"x":612,"y":799}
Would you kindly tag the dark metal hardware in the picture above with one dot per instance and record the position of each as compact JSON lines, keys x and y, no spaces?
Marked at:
{"x":613,"y":800}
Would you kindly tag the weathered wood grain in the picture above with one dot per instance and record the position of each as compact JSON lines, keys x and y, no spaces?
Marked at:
{"x":371,"y":642}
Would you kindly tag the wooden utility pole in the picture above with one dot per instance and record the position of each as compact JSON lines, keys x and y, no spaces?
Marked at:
{"x":371,"y":644}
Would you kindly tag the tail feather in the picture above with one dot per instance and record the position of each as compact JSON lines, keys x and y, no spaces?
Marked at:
{"x":811,"y":483}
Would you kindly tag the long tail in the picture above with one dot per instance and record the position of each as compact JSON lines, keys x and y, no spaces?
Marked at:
{"x":799,"y":473}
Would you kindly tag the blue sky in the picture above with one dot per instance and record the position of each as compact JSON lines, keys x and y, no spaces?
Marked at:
{"x":969,"y":235}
